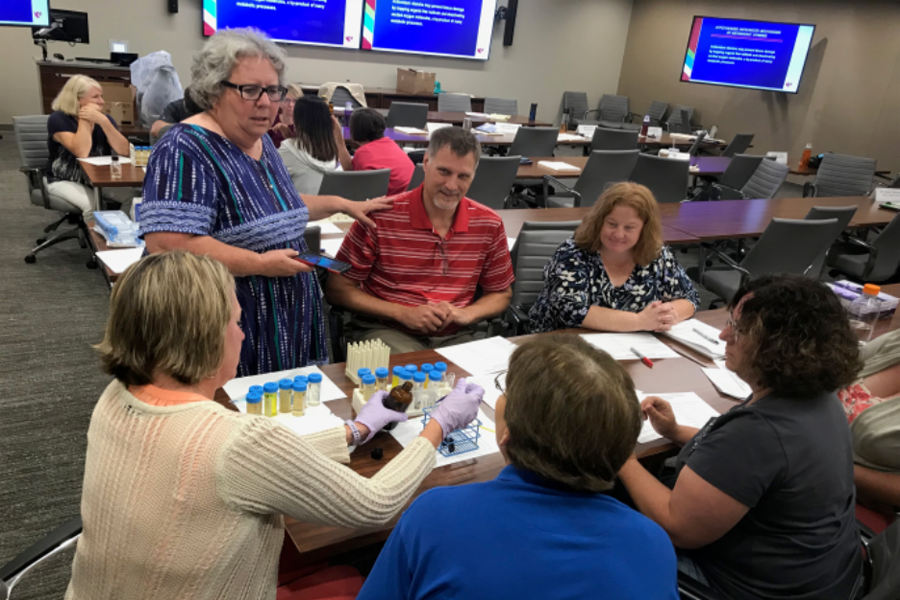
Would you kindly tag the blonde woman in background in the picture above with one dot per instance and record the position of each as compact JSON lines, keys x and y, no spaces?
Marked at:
{"x":78,"y":128}
{"x":284,"y":128}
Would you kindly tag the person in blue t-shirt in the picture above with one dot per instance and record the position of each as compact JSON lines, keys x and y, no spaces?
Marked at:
{"x":567,"y":421}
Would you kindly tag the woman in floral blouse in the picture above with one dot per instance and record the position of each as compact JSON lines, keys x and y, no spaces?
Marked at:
{"x":615,"y":274}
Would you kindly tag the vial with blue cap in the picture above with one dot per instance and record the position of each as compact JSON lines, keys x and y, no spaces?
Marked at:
{"x":418,"y":390}
{"x":368,"y":385}
{"x":299,"y":389}
{"x":314,"y":389}
{"x":270,"y":399}
{"x":381,"y":379}
{"x":285,"y":389}
{"x":254,"y":402}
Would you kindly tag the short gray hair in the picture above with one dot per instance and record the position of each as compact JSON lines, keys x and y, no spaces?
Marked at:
{"x":221,"y":54}
{"x":461,"y":142}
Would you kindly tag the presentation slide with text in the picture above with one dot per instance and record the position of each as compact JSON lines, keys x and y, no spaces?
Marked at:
{"x":24,"y":12}
{"x":460,"y":28}
{"x":752,"y":54}
{"x":318,"y":22}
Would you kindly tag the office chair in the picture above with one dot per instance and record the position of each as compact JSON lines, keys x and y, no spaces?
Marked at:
{"x":765,"y":182}
{"x":656,"y":112}
{"x":493,"y":181}
{"x":695,"y":147}
{"x":569,"y":226}
{"x":31,"y":138}
{"x":680,"y":119}
{"x":501,"y":106}
{"x":868,"y":262}
{"x":59,"y":540}
{"x":534,"y":141}
{"x":575,"y":105}
{"x":342,"y":96}
{"x":356,"y":185}
{"x":534,"y":250}
{"x":843,"y":214}
{"x":613,"y":111}
{"x":418,"y":177}
{"x":738,"y":144}
{"x":786,"y":246}
{"x":603,"y":168}
{"x":454,"y":103}
{"x":667,"y":178}
{"x":407,"y":114}
{"x":736,"y":175}
{"x":614,"y":139}
{"x":842,"y":175}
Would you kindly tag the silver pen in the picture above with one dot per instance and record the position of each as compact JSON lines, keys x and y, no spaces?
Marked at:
{"x":705,"y":337}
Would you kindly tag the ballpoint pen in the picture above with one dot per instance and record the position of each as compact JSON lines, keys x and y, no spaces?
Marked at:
{"x":709,"y":339}
{"x":643,"y":358}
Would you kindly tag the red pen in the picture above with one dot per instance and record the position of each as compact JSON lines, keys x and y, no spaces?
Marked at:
{"x":643,"y":358}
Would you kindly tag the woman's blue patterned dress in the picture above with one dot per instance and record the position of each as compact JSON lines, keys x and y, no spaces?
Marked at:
{"x":200,"y":183}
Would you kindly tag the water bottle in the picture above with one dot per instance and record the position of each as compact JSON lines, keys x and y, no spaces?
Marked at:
{"x":807,"y":153}
{"x":348,"y":110}
{"x":864,"y":312}
{"x":532,"y":114}
{"x":646,"y":126}
{"x":115,"y":167}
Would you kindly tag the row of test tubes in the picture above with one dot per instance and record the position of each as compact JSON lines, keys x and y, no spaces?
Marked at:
{"x":431,"y":382}
{"x":286,"y":397}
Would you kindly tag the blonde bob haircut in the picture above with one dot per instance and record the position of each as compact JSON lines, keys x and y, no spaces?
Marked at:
{"x":638,"y":197}
{"x":74,"y":90}
{"x":294,"y":91}
{"x":168,"y":314}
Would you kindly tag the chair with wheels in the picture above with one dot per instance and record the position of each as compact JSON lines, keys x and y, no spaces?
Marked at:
{"x":736,"y":175}
{"x":534,"y":250}
{"x":679,"y":120}
{"x":407,"y":114}
{"x":877,"y":261}
{"x":657,"y":112}
{"x":765,"y":182}
{"x":534,"y":141}
{"x":501,"y":106}
{"x":59,"y":540}
{"x":356,"y":185}
{"x":842,"y":175}
{"x":569,"y":226}
{"x":31,"y":138}
{"x":575,"y":105}
{"x":786,"y":246}
{"x":843,"y":214}
{"x":603,"y":168}
{"x":418,"y":177}
{"x":493,"y":181}
{"x":614,"y":113}
{"x":695,"y":147}
{"x":614,"y":139}
{"x":667,"y":178}
{"x":738,"y":144}
{"x":454,"y":102}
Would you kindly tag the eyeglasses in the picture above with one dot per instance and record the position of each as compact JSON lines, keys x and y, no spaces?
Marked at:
{"x":501,"y":376}
{"x":733,"y":325}
{"x":253,"y":92}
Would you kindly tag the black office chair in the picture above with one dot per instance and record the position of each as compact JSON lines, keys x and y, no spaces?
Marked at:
{"x":501,"y":106}
{"x":843,"y":215}
{"x":493,"y":181}
{"x":667,"y":178}
{"x":657,"y":112}
{"x":679,"y":120}
{"x":614,"y":111}
{"x":534,"y":141}
{"x":342,"y":96}
{"x":407,"y":114}
{"x":534,"y":251}
{"x":569,"y":226}
{"x":765,"y":182}
{"x":614,"y":139}
{"x":59,"y":540}
{"x":418,"y":177}
{"x":736,"y":175}
{"x":356,"y":185}
{"x":842,"y":175}
{"x":739,"y":144}
{"x":603,"y":168}
{"x":454,"y":102}
{"x":695,"y":147}
{"x":877,"y":261}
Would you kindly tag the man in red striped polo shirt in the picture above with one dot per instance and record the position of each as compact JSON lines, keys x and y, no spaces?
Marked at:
{"x":414,"y":277}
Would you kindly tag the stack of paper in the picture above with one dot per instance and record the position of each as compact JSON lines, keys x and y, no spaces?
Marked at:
{"x":556,"y":165}
{"x":727,"y":381}
{"x":619,"y":345}
{"x":104,"y":161}
{"x":569,"y":137}
{"x":510,"y":128}
{"x":406,"y":433}
{"x":482,"y":356}
{"x":689,"y":409}
{"x":432,"y":127}
{"x":237,"y":388}
{"x":411,"y":130}
{"x":316,"y":419}
{"x":698,"y":336}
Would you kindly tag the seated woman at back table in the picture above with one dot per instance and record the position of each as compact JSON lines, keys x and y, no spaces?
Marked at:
{"x":314,"y":149}
{"x":376,"y":151}
{"x":566,"y":422}
{"x":284,"y":128}
{"x":872,"y":405}
{"x":78,"y":128}
{"x":763,"y":504}
{"x":615,"y":274}
{"x":183,"y":498}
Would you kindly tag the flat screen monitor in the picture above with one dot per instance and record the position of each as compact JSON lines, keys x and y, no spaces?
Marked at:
{"x":314,"y":22}
{"x":456,"y":28}
{"x":65,"y":26}
{"x":761,"y":55}
{"x":26,"y":13}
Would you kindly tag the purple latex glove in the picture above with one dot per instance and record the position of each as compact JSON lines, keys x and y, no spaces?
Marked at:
{"x":458,"y":408}
{"x":375,"y":416}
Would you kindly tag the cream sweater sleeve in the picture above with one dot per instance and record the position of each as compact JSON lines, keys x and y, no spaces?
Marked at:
{"x":266,"y":468}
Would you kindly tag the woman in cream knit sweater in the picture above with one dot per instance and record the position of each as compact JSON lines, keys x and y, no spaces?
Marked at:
{"x":184,"y":498}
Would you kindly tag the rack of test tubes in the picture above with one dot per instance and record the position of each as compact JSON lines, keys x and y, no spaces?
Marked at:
{"x":370,"y":354}
{"x":430,"y":383}
{"x":457,"y":442}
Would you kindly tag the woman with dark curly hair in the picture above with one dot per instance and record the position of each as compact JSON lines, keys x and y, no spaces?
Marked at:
{"x":763,"y":504}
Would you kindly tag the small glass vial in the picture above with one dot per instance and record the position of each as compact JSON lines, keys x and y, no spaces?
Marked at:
{"x":367,"y":387}
{"x":300,"y":378}
{"x":381,"y":379}
{"x":314,"y":390}
{"x":254,"y":403}
{"x":299,"y":389}
{"x":440,"y":366}
{"x":418,"y":390}
{"x":270,"y":399}
{"x":435,"y":378}
{"x":396,"y":380}
{"x":426,"y":368}
{"x":411,"y":368}
{"x":256,"y":388}
{"x":363,"y":371}
{"x":284,"y":395}
{"x":405,"y":377}
{"x":115,"y":167}
{"x":449,"y":381}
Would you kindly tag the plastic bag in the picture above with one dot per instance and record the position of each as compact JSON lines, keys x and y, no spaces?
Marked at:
{"x":157,"y":85}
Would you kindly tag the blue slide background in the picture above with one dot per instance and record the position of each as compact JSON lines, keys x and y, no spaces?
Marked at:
{"x":16,"y":10}
{"x":440,"y":38}
{"x":752,"y":74}
{"x":297,"y":23}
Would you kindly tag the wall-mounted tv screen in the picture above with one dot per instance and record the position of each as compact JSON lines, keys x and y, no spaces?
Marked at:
{"x":457,"y":28}
{"x":27,"y":13}
{"x":750,"y":54}
{"x":316,"y":22}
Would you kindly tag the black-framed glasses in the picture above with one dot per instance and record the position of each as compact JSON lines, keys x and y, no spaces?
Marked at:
{"x":253,"y":92}
{"x":501,"y":377}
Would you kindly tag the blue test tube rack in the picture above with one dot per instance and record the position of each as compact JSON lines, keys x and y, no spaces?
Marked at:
{"x":459,"y":441}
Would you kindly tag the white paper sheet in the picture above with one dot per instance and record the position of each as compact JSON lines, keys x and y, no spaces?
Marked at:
{"x":411,"y":130}
{"x":119,"y":260}
{"x":331,"y":246}
{"x":689,"y":409}
{"x":327,"y":226}
{"x":557,"y":165}
{"x":317,"y":418}
{"x":405,"y":433}
{"x":238,"y":388}
{"x":481,"y":356}
{"x":432,"y":127}
{"x":491,"y":393}
{"x":707,"y":344}
{"x":619,"y":345}
{"x":731,"y":384}
{"x":475,"y":114}
{"x":104,"y":161}
{"x":569,"y":137}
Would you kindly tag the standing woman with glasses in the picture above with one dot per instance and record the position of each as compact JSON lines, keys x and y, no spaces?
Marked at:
{"x":216,"y":186}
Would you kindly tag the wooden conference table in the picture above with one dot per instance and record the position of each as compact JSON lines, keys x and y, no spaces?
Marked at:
{"x":101,"y":177}
{"x":700,"y":166}
{"x":317,"y":542}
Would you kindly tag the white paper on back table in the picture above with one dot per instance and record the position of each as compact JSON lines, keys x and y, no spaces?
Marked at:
{"x":480,"y":357}
{"x":698,"y":336}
